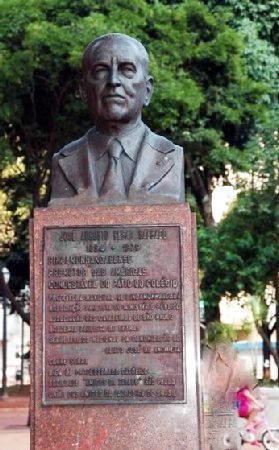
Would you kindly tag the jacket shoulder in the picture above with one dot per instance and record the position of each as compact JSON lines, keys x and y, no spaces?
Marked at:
{"x":73,"y":146}
{"x":161,"y":143}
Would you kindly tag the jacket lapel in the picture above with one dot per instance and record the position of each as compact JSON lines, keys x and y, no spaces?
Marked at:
{"x":78,"y":168}
{"x":155,"y":160}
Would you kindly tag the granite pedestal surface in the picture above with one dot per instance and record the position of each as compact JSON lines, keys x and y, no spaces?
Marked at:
{"x":115,"y":350}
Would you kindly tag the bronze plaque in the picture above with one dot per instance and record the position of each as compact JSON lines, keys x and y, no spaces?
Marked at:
{"x":113,"y":315}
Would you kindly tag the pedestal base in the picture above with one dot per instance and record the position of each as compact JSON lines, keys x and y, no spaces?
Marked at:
{"x":82,"y":397}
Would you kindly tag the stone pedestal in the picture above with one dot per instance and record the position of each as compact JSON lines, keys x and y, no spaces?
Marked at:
{"x":115,"y":351}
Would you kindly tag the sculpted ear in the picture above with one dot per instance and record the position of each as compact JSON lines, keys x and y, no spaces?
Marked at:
{"x":149,"y":90}
{"x":82,"y":91}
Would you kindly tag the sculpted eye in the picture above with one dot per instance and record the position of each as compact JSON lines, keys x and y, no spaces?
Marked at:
{"x":128,"y":69}
{"x":99,"y":71}
{"x":100,"y":68}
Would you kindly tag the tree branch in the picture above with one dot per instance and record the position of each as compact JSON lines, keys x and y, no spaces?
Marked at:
{"x":200,"y":190}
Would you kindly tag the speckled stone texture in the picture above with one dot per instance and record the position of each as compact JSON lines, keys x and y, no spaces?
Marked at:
{"x":118,"y":427}
{"x":221,"y":431}
{"x":220,"y":381}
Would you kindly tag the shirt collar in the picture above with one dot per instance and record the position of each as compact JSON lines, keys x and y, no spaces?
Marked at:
{"x":130,"y":142}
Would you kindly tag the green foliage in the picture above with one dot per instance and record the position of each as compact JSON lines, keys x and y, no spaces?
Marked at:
{"x":259,"y":309}
{"x":263,"y":62}
{"x":264,"y":13}
{"x":217,"y":333}
{"x":257,"y":20}
{"x":242,"y":253}
{"x":203,"y":95}
{"x":246,"y":328}
{"x":207,"y":97}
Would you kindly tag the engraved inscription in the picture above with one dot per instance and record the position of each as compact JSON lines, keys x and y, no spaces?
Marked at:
{"x":113,"y":315}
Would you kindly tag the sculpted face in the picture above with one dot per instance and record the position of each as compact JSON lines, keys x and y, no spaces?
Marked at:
{"x":116,"y":82}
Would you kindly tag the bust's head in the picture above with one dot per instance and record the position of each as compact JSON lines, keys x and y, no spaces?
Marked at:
{"x":116,"y":83}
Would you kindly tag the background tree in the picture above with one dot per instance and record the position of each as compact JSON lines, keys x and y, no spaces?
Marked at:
{"x":204,"y":97}
{"x":257,"y":22}
{"x":241,"y":256}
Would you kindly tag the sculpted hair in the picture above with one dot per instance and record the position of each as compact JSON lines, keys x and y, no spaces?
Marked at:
{"x":89,"y":50}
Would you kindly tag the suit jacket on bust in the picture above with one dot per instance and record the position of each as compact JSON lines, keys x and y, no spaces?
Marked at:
{"x":158,"y":176}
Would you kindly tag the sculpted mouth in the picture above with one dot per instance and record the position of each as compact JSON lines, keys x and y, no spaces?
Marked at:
{"x":112,"y":96}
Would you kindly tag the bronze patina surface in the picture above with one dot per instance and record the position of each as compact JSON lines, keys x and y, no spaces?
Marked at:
{"x":113,"y":315}
{"x":119,"y":160}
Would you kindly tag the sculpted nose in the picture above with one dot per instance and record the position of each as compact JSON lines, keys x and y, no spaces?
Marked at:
{"x":113,"y":79}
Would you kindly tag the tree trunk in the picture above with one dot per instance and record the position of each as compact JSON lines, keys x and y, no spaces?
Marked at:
{"x":6,"y":292}
{"x":200,"y":189}
{"x":266,"y":353}
{"x":266,"y":339}
{"x":212,"y":313}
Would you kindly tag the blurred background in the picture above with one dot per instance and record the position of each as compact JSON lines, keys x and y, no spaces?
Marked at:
{"x":215,"y":65}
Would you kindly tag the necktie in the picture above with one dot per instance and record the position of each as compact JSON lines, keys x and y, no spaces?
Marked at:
{"x":113,"y":185}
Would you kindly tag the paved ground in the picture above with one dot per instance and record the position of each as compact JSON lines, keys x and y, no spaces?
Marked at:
{"x":14,"y":434}
{"x":251,"y":447}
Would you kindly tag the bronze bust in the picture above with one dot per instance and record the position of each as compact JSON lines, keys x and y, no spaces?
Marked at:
{"x":120,"y":160}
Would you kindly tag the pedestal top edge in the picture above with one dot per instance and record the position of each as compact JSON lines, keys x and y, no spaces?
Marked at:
{"x":114,"y":210}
